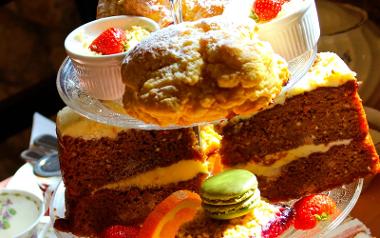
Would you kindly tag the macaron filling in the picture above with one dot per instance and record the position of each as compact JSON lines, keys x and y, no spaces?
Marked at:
{"x":229,"y":201}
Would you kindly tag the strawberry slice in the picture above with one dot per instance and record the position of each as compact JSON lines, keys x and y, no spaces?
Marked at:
{"x":265,"y":10}
{"x":312,"y":209}
{"x":110,"y":41}
{"x":119,"y":231}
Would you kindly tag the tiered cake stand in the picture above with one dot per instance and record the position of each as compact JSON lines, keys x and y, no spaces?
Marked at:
{"x":345,"y":198}
{"x":72,"y":93}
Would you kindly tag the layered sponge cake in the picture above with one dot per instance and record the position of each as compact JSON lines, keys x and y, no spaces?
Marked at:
{"x":117,"y":176}
{"x":314,"y":137}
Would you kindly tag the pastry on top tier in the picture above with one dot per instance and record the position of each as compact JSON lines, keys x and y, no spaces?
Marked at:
{"x":159,"y":10}
{"x":201,"y":71}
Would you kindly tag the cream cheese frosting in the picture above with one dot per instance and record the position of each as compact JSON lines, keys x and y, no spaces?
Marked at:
{"x":70,"y":123}
{"x":328,"y":70}
{"x":285,"y":157}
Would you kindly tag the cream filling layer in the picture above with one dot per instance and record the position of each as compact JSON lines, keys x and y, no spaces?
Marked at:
{"x":287,"y":157}
{"x":180,"y":171}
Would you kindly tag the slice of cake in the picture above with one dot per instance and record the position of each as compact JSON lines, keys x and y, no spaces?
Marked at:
{"x":314,"y":137}
{"x":117,"y":176}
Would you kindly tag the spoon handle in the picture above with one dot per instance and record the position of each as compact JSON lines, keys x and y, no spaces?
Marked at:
{"x":176,"y":9}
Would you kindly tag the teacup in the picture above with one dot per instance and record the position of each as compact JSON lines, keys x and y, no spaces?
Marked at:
{"x":20,"y":213}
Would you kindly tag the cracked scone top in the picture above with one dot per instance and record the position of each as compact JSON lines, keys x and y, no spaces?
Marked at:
{"x":201,"y":71}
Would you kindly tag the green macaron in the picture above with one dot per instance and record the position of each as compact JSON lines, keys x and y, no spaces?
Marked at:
{"x":230,"y":194}
{"x":226,"y":212}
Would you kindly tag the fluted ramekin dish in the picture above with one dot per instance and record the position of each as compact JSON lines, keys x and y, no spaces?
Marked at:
{"x":294,"y":36}
{"x":100,"y":75}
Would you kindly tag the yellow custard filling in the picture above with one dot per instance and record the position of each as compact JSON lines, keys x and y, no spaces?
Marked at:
{"x":180,"y":171}
{"x":287,"y":157}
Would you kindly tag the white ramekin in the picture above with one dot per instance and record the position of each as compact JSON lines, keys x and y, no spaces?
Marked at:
{"x":295,"y":34}
{"x":100,"y":75}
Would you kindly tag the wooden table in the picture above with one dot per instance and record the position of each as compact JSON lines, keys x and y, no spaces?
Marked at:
{"x":367,"y":208}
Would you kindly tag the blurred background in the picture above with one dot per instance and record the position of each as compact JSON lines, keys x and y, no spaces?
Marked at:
{"x":31,"y":49}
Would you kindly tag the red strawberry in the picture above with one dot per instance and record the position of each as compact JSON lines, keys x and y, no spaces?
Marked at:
{"x":279,"y":225}
{"x":119,"y":231}
{"x":266,"y":10}
{"x":311,"y":209}
{"x":111,"y":41}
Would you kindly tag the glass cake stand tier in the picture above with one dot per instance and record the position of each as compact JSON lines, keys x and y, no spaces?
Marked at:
{"x":345,"y":198}
{"x":72,"y":93}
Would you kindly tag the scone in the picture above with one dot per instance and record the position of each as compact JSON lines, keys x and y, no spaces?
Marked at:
{"x":201,"y":72}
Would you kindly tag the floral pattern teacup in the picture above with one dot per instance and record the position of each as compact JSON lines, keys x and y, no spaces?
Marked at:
{"x":20,"y":212}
